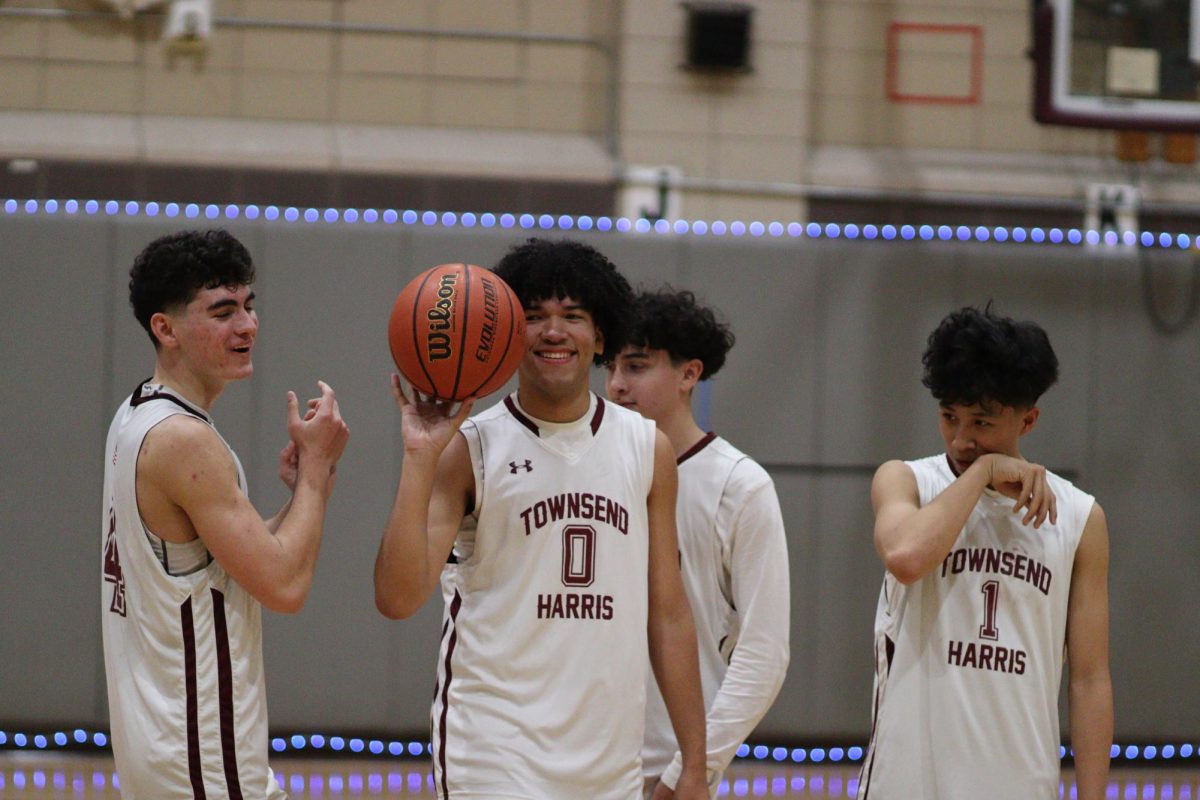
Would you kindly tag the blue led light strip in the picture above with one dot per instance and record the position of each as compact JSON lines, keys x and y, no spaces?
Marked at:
{"x":566,"y":222}
{"x":82,"y":739}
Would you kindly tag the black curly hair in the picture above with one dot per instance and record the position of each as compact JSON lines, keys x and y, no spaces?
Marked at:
{"x":172,"y":269}
{"x":975,"y":356}
{"x":673,"y":321}
{"x":554,"y":269}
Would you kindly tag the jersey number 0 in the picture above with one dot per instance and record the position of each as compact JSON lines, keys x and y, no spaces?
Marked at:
{"x":579,"y":555}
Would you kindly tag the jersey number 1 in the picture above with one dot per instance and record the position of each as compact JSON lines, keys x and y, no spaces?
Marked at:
{"x":991,"y":599}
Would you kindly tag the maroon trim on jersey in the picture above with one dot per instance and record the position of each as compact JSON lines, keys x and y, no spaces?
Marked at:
{"x":455,"y":605}
{"x":225,"y":692}
{"x":193,"y":723}
{"x":521,"y":418}
{"x":598,"y":416}
{"x":696,"y":448}
{"x":137,"y":398}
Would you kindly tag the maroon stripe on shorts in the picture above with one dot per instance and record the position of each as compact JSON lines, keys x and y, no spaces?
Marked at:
{"x":225,"y":693}
{"x":880,"y":681}
{"x":193,"y":723}
{"x":455,"y":605}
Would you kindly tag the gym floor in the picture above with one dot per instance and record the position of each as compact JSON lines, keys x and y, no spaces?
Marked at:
{"x":68,"y":776}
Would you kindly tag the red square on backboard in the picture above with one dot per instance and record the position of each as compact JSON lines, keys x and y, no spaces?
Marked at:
{"x":972,"y":38}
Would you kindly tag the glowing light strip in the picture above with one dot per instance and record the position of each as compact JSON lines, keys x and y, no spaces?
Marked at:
{"x":82,"y":739}
{"x":566,"y":222}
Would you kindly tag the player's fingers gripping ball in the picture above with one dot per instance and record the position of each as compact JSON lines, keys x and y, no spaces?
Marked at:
{"x":457,"y":330}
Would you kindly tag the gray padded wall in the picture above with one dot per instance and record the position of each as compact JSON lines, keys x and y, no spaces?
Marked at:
{"x":823,"y":385}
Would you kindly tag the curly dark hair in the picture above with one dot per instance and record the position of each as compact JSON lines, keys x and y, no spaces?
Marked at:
{"x":673,"y":321}
{"x":172,"y":269}
{"x":976,"y":356}
{"x":554,"y":269}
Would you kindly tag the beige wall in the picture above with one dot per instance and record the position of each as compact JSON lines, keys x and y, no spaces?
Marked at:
{"x":353,"y":77}
{"x":813,"y":112}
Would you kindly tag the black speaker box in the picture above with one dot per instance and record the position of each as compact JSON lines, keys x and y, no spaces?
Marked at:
{"x":718,"y":36}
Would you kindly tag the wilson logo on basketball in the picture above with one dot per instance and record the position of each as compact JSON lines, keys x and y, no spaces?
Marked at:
{"x":456,"y":331}
{"x":439,"y":316}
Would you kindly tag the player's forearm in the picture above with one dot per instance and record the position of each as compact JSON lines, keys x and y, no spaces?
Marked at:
{"x":402,"y":565}
{"x":673,"y":656}
{"x":274,"y":522}
{"x":750,"y":686}
{"x":917,"y":544}
{"x":298,"y":536}
{"x":1091,"y":733}
{"x":757,"y":667}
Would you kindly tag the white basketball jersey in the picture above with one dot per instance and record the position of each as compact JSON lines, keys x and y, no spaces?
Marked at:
{"x":183,"y":655}
{"x":968,"y":660}
{"x":730,"y":532}
{"x":540,"y":690}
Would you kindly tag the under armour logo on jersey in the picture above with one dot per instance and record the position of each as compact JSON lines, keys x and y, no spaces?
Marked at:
{"x":514,"y":466}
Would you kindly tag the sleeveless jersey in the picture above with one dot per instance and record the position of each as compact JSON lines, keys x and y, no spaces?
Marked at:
{"x":182,"y":655}
{"x":968,"y":659}
{"x":734,"y":563}
{"x":540,"y":690}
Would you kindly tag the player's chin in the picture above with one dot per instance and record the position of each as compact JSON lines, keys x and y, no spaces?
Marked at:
{"x":241,"y":370}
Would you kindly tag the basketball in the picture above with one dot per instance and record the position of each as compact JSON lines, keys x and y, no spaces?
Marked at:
{"x":457,"y":330}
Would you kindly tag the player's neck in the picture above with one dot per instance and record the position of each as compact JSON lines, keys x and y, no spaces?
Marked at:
{"x":681,"y":429}
{"x":187,"y":385}
{"x":554,"y":408}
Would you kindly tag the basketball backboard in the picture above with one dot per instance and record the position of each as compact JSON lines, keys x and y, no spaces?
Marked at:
{"x":1131,"y":64}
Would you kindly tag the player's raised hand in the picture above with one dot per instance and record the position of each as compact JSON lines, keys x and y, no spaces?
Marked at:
{"x":322,"y":434}
{"x":427,"y":425}
{"x":1025,"y":483}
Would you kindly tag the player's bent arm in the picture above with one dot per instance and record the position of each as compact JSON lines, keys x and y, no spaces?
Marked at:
{"x":761,"y":595}
{"x":431,"y":501}
{"x":912,"y":539}
{"x":185,"y":462}
{"x":1090,"y":689}
{"x":671,"y":631}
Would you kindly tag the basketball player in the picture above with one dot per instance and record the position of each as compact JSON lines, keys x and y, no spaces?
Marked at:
{"x":733,"y":551}
{"x":565,"y":579}
{"x":187,"y":561}
{"x":995,"y":565}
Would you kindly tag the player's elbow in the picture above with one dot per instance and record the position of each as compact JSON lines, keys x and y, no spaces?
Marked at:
{"x":395,"y":605}
{"x":286,"y":600}
{"x":904,"y":567}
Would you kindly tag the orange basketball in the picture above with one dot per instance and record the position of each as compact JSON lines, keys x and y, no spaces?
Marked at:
{"x":457,"y":330}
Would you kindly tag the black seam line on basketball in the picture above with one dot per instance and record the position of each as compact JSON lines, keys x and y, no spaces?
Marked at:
{"x":195,"y":773}
{"x":464,"y":317}
{"x":225,"y":695}
{"x":508,"y":344}
{"x":416,"y":335}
